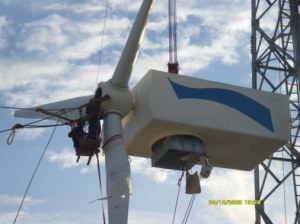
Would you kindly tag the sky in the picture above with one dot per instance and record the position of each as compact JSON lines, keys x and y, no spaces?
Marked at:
{"x":49,"y":51}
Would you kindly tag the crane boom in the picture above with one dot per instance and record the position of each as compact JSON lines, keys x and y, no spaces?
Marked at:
{"x":173,"y":66}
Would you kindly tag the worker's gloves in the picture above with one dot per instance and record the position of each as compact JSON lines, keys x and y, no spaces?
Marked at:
{"x":106,"y":97}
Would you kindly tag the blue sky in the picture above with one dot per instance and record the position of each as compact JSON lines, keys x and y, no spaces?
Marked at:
{"x":49,"y":51}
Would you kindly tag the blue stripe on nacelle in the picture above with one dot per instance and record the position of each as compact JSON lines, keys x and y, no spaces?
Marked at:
{"x":230,"y":98}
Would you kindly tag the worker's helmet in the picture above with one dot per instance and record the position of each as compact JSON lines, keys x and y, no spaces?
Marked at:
{"x":98,"y":92}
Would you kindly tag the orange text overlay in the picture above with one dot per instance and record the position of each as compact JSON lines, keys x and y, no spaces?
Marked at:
{"x":234,"y":202}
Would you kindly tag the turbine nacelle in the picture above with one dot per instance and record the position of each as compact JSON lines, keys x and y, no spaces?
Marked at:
{"x":239,"y":127}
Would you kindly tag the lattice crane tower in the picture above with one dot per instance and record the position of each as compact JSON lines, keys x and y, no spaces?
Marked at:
{"x":275,"y":48}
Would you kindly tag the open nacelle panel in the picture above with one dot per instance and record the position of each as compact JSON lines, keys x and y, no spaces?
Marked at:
{"x":239,"y":127}
{"x":178,"y":152}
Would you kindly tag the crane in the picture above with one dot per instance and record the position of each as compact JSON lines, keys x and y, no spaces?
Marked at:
{"x":173,"y":66}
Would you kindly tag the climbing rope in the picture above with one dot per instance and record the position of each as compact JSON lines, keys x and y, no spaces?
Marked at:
{"x":20,"y":126}
{"x":15,"y":108}
{"x":13,"y":133}
{"x":33,"y":109}
{"x":179,"y":187}
{"x":101,"y":46}
{"x":111,"y":139}
{"x":190,"y":205}
{"x":30,"y":125}
{"x":57,"y":114}
{"x":33,"y":175}
{"x":189,"y":209}
{"x":100,"y":185}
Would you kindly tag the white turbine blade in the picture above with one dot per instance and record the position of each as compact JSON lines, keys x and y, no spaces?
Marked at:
{"x":118,"y":173}
{"x":118,"y":178}
{"x":63,"y":110}
{"x":123,"y":70}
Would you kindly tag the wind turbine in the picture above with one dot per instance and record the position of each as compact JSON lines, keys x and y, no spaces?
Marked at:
{"x":121,"y":102}
{"x":176,"y":121}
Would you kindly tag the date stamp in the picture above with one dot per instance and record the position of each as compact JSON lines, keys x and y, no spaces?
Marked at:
{"x":234,"y":202}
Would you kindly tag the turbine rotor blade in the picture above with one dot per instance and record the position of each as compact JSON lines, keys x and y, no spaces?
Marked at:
{"x":123,"y":70}
{"x":65,"y":110}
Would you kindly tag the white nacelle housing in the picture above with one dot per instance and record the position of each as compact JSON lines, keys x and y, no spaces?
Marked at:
{"x":239,"y":127}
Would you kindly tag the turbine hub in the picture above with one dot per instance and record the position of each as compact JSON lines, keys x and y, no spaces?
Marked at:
{"x":121,"y":99}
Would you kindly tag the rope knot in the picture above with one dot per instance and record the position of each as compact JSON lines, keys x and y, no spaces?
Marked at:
{"x":11,"y":137}
{"x":17,"y":126}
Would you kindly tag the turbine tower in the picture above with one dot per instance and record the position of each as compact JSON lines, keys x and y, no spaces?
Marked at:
{"x":275,"y":48}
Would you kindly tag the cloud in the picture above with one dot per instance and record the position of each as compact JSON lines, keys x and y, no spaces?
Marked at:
{"x":135,"y":217}
{"x":8,"y":200}
{"x":50,"y":218}
{"x":8,"y":218}
{"x":41,"y":84}
{"x":61,"y":59}
{"x":78,"y":8}
{"x":224,"y":184}
{"x":206,"y":34}
{"x":146,"y":217}
{"x":30,"y":134}
{"x":143,"y":166}
{"x":224,"y":32}
{"x":66,"y":159}
{"x":25,"y":134}
{"x":44,"y":35}
{"x":56,"y":54}
{"x":63,"y":38}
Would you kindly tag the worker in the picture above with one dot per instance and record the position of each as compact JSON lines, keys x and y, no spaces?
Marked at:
{"x":77,"y":134}
{"x":93,"y":110}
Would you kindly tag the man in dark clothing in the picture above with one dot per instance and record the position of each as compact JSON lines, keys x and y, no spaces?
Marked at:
{"x":77,"y":134}
{"x":93,"y":110}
